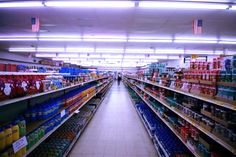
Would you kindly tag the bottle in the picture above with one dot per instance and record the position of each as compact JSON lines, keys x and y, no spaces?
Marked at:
{"x":4,"y":154}
{"x":22,"y":126}
{"x":2,"y":139}
{"x":8,"y":135}
{"x":18,"y":154}
{"x":23,"y":151}
{"x":15,"y":131}
{"x":11,"y":152}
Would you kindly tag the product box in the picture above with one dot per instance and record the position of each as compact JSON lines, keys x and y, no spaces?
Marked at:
{"x":2,"y":67}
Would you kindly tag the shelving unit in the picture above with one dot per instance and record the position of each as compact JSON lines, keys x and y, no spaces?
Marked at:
{"x":167,"y":124}
{"x":15,"y":100}
{"x":49,"y":133}
{"x":191,"y":121}
{"x":213,"y":101}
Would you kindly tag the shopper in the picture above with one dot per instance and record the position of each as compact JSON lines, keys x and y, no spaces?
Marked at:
{"x":119,"y":79}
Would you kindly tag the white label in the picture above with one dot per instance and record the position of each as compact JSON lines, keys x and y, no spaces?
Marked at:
{"x":19,"y":144}
{"x":7,"y":89}
{"x":77,"y":111}
{"x":63,"y":113}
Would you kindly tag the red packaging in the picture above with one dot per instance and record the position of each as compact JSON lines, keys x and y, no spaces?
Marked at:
{"x":2,"y":67}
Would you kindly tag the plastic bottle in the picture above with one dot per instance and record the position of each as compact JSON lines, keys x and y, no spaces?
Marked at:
{"x":11,"y":152}
{"x":18,"y":154}
{"x":2,"y":139}
{"x":15,"y":131}
{"x":22,"y":126}
{"x":8,"y":135}
{"x":23,"y":151}
{"x":4,"y":154}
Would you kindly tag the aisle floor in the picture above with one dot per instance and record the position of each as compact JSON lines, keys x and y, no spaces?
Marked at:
{"x":115,"y":130}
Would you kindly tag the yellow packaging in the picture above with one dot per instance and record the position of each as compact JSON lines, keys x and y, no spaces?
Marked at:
{"x":2,"y":139}
{"x":8,"y":135}
{"x":15,"y":131}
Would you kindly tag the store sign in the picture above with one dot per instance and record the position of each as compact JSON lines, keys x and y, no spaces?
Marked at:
{"x":19,"y":144}
{"x":63,"y":113}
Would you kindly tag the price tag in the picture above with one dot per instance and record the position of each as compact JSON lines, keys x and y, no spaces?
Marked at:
{"x":63,"y":113}
{"x":77,"y":111}
{"x":19,"y":144}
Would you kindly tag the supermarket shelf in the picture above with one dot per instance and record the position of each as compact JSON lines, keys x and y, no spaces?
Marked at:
{"x":162,"y":148}
{"x":46,"y":136}
{"x":157,"y":149}
{"x":228,"y":84}
{"x":10,"y":101}
{"x":210,"y":100}
{"x":36,"y":124}
{"x":144,"y":123}
{"x":208,"y":133}
{"x":167,"y":124}
{"x":78,"y":135}
{"x":49,"y":133}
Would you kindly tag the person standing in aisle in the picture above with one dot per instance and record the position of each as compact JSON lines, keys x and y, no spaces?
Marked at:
{"x":119,"y":79}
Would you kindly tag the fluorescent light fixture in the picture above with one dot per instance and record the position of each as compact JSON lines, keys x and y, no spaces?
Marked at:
{"x":158,"y":57}
{"x":111,"y":56}
{"x":227,"y":42}
{"x":206,"y":52}
{"x":195,"y":40}
{"x":139,"y":51}
{"x":18,"y":39}
{"x":91,"y":4}
{"x":60,"y":39}
{"x":233,"y":7}
{"x":46,"y":55}
{"x":169,"y":51}
{"x":134,"y":56}
{"x":181,"y":5}
{"x":173,"y":57}
{"x":61,"y":59}
{"x":68,"y":55}
{"x":104,"y":40}
{"x":20,"y":4}
{"x":109,"y":50}
{"x":50,"y":49}
{"x":22,"y":49}
{"x":80,"y":50}
{"x":150,"y":40}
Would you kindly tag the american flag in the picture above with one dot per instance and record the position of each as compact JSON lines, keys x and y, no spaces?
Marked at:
{"x":35,"y":24}
{"x":197,"y":26}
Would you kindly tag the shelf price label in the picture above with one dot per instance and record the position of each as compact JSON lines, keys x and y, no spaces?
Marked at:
{"x":63,"y":113}
{"x":19,"y":144}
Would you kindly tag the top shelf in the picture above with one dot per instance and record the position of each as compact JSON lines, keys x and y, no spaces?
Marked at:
{"x":10,"y":101}
{"x":210,"y":100}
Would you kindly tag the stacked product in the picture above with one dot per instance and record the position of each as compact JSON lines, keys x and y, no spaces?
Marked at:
{"x":10,"y":133}
{"x":59,"y":141}
{"x":168,"y":142}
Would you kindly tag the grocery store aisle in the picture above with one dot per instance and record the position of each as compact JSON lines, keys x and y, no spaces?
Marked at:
{"x":115,"y":130}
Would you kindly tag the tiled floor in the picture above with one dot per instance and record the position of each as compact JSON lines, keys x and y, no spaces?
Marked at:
{"x":115,"y":130}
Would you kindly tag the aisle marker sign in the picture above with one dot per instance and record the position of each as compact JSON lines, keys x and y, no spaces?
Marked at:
{"x":19,"y":144}
{"x":197,"y":26}
{"x":35,"y":24}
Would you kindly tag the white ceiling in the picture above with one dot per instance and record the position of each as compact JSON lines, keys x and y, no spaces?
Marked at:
{"x":118,"y":22}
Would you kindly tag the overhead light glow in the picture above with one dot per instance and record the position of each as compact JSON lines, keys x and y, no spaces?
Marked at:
{"x":158,"y":57}
{"x":111,"y":56}
{"x":46,"y":55}
{"x":50,"y":49}
{"x":150,"y":40}
{"x":68,"y":55}
{"x":22,"y":49}
{"x":139,"y":51}
{"x":169,"y":51}
{"x":60,"y":39}
{"x":195,"y":40}
{"x":109,"y":50}
{"x":20,"y":4}
{"x":91,"y":4}
{"x":227,"y":42}
{"x":18,"y":39}
{"x":134,"y":56}
{"x":104,"y":40}
{"x":80,"y":50}
{"x":181,"y":5}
